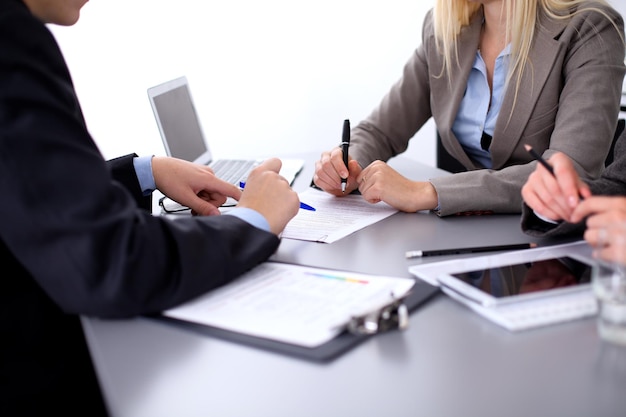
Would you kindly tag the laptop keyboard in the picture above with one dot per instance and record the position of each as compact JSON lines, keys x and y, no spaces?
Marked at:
{"x":233,"y":170}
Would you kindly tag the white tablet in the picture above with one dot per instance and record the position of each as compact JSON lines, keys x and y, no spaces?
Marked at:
{"x":521,"y":280}
{"x":520,"y":289}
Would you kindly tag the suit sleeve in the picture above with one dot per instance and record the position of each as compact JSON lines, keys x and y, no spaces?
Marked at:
{"x":387,"y":130}
{"x":72,"y":222}
{"x":123,"y":170}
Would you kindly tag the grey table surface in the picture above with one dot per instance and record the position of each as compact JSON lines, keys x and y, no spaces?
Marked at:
{"x":449,"y":362}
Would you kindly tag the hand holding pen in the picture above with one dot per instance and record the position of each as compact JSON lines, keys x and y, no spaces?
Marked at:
{"x":270,"y":194}
{"x":335,"y":171}
{"x":303,"y":206}
{"x":554,"y":189}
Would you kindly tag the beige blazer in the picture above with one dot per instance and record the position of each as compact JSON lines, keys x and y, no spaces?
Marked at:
{"x":569,"y":102}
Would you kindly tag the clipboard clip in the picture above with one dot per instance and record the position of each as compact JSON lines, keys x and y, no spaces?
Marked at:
{"x":394,"y":315}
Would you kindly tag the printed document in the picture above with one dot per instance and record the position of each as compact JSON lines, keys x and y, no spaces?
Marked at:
{"x":290,"y":303}
{"x":334,"y":217}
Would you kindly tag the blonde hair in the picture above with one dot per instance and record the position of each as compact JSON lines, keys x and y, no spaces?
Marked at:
{"x":450,"y":16}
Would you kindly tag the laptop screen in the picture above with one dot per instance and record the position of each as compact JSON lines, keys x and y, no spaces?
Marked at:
{"x":177,"y":120}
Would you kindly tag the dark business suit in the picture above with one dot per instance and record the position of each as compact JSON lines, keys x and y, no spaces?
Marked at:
{"x":612,"y":182}
{"x":73,"y":237}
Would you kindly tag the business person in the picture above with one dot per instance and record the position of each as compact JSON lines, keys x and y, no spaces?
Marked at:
{"x":494,"y":75}
{"x":76,"y":234}
{"x":562,"y":204}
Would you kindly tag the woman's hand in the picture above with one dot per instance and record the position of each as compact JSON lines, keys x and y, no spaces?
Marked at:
{"x":380,"y":182}
{"x":330,"y":169}
{"x":606,"y":226}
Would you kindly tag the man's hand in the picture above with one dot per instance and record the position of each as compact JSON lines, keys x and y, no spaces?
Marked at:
{"x":192,"y":185}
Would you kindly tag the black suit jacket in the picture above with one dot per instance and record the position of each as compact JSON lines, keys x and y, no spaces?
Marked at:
{"x":74,"y":239}
{"x":612,"y":182}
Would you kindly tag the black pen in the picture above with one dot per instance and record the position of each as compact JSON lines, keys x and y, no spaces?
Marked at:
{"x":421,"y":253}
{"x":345,"y":144}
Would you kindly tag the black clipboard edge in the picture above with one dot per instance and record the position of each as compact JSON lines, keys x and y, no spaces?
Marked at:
{"x":419,"y":295}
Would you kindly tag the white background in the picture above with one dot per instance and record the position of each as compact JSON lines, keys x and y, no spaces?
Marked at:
{"x":267,"y":77}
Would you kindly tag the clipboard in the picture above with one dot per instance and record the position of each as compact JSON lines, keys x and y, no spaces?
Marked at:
{"x":419,"y":295}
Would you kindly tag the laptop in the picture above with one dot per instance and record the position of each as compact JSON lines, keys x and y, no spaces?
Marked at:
{"x":183,"y":137}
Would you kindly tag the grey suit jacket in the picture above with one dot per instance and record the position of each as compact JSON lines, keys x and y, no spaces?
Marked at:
{"x":569,"y":102}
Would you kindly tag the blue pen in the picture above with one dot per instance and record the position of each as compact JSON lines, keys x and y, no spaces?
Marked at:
{"x":302,"y":205}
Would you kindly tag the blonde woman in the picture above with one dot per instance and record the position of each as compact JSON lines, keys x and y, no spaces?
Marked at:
{"x":494,"y":75}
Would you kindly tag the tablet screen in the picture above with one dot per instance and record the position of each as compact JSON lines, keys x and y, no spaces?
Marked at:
{"x":529,"y":277}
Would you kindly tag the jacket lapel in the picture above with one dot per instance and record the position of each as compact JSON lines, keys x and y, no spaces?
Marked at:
{"x":541,"y":58}
{"x":446,"y":106}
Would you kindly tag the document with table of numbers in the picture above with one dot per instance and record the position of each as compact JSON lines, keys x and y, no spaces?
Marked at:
{"x":294,"y":304}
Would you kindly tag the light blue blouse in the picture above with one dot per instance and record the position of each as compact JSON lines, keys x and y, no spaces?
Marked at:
{"x":476,"y":115}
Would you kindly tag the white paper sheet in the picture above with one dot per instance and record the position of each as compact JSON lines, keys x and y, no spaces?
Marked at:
{"x":334,"y":217}
{"x":291,"y":303}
